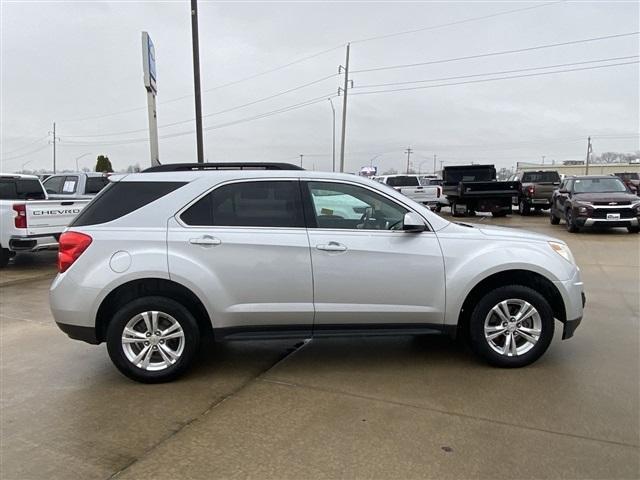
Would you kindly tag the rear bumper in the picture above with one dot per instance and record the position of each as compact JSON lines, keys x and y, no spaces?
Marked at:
{"x":76,"y":332}
{"x":33,"y":243}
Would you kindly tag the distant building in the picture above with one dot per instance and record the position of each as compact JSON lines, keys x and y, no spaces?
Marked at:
{"x":573,"y":162}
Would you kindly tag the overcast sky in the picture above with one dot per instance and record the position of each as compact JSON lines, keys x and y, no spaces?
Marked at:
{"x":79,"y":64}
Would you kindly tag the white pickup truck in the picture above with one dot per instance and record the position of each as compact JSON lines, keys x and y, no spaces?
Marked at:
{"x":413,"y":187}
{"x":29,"y":222}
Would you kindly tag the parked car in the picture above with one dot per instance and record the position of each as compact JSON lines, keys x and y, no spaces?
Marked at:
{"x":595,"y":201}
{"x":536,"y":190}
{"x":474,"y":188}
{"x":159,"y":260}
{"x":29,"y":222}
{"x":416,"y":189}
{"x":631,"y":180}
{"x":75,"y":185}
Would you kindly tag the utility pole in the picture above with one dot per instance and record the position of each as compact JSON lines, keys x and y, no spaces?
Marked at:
{"x":589,"y":150}
{"x":333,"y":138}
{"x":301,"y":155}
{"x":53,"y":142}
{"x":434,"y":163}
{"x":543,"y":157}
{"x":408,"y":151}
{"x":344,"y":105}
{"x":196,"y":77}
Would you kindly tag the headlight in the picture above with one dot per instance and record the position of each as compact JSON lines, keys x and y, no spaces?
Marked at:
{"x":562,"y":250}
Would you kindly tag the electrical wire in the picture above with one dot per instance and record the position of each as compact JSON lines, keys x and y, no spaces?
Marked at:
{"x":492,"y":54}
{"x":231,"y":109}
{"x":495,"y":73}
{"x":5,"y":159}
{"x":26,"y":145}
{"x":217,"y":87}
{"x":496,"y":79}
{"x":458,"y":22}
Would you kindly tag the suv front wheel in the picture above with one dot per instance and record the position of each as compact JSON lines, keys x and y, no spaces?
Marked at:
{"x":153,"y":339}
{"x":511,"y":326}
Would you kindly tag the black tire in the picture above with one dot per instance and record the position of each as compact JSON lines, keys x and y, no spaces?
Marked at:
{"x":500,"y":213}
{"x":633,"y":229}
{"x":480,"y":345}
{"x":571,"y":224}
{"x":524,"y":208}
{"x":438,"y":208}
{"x":453,"y":209}
{"x":162,"y":304}
{"x":5,"y":255}
{"x":553,"y":218}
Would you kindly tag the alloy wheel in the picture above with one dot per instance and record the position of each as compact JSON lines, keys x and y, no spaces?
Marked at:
{"x":512,"y":327}
{"x":153,"y":340}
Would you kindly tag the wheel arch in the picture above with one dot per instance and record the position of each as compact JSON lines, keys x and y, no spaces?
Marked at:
{"x":144,"y":287}
{"x":527,"y":278}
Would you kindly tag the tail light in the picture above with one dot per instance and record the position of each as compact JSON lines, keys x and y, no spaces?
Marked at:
{"x":71,"y":246}
{"x":531,"y":189}
{"x":20,"y":220}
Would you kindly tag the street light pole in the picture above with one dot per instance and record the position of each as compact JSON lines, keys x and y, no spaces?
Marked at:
{"x":78,"y":158}
{"x":333,"y":143}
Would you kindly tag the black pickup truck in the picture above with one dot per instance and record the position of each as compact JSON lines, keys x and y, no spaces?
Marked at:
{"x":474,"y":188}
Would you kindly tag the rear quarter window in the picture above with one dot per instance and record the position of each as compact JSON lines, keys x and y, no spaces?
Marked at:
{"x":121,"y":198}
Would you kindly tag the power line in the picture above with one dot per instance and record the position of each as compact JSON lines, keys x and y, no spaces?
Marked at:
{"x":4,"y":159}
{"x":495,"y":79}
{"x":26,"y":145}
{"x":458,"y":22}
{"x":322,"y":98}
{"x":217,"y":87}
{"x":231,"y":109}
{"x":495,"y":73}
{"x":502,"y":52}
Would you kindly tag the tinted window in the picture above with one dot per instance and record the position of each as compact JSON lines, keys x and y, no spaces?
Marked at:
{"x":405,"y":181}
{"x":121,"y":198}
{"x":249,"y":204}
{"x":20,"y":189}
{"x":339,"y":205}
{"x":95,"y":184}
{"x":539,"y":177}
{"x":54,"y":184}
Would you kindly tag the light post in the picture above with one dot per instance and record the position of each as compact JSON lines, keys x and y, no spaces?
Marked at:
{"x":78,"y":158}
{"x":333,"y":143}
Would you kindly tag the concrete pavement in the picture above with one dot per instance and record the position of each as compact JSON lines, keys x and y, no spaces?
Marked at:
{"x":405,"y":407}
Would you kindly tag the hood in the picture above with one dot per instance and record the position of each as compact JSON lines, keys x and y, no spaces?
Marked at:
{"x":502,"y":233}
{"x":605,"y":197}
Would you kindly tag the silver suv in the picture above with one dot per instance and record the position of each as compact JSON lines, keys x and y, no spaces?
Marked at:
{"x":159,"y":260}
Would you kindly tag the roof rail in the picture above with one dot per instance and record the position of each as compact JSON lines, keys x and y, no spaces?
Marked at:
{"x":187,"y":167}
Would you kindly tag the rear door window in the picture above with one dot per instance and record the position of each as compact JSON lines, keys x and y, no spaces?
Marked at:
{"x":95,"y":184}
{"x":121,"y":198}
{"x":249,"y":204}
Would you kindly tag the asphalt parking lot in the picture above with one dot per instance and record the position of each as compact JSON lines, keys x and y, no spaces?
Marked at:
{"x":406,"y":407}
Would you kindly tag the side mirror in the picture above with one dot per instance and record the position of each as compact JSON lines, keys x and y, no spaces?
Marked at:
{"x":413,"y":222}
{"x":563,"y":190}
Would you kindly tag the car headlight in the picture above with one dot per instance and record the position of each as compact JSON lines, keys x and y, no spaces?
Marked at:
{"x":562,"y":250}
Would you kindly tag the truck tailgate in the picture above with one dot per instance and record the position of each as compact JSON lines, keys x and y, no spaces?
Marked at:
{"x":420,"y":193}
{"x":51,"y":216}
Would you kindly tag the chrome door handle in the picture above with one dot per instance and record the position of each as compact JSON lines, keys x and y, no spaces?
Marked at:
{"x":332,"y":247}
{"x":205,"y":240}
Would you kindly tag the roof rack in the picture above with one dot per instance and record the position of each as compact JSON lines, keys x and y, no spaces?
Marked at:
{"x":188,"y":167}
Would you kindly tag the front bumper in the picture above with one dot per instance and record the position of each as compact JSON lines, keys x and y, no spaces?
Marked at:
{"x":571,"y":325}
{"x":603,"y":222}
{"x":574,"y":300}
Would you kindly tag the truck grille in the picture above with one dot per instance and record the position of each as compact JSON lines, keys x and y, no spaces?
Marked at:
{"x":602,"y":212}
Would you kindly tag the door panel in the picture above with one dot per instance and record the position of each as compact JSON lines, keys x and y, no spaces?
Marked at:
{"x":254,"y":278}
{"x":366,"y":269}
{"x":381,"y":277}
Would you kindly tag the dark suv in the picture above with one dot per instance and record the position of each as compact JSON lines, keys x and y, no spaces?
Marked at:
{"x":600,"y":201}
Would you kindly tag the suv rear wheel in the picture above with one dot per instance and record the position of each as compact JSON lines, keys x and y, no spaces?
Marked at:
{"x":511,"y":326}
{"x":153,"y":339}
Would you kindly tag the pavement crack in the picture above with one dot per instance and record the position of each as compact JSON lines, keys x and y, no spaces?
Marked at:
{"x":215,"y":404}
{"x":444,"y":412}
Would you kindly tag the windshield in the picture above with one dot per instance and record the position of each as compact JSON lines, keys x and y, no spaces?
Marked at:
{"x":598,"y":185}
{"x":539,"y":177}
